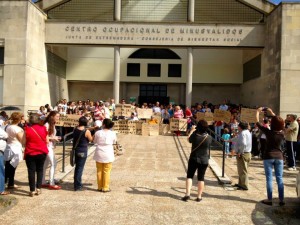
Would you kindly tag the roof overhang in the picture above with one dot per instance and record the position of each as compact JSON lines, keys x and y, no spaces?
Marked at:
{"x":49,"y":4}
{"x":262,"y":6}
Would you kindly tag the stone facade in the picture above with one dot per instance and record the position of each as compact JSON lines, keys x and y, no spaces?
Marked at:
{"x":27,"y":84}
{"x":290,"y":59}
{"x":22,"y":26}
{"x":265,"y":90}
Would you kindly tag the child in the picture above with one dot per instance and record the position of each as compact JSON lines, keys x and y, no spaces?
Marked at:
{"x":225,"y":138}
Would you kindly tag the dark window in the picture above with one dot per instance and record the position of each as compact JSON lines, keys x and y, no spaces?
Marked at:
{"x":174,"y":70}
{"x":151,"y":90}
{"x":133,"y":69}
{"x":153,"y":70}
{"x":1,"y":55}
{"x":148,"y":53}
{"x":252,"y":69}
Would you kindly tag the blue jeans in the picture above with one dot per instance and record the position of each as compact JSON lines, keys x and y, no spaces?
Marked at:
{"x":278,"y":166}
{"x":2,"y":173}
{"x":80,"y":159}
{"x":218,"y":130}
{"x":226,"y":146}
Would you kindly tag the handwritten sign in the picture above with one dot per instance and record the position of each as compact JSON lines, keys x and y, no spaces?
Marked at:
{"x":207,"y":116}
{"x":178,"y":124}
{"x":123,"y":110}
{"x":249,"y":115}
{"x":68,"y":120}
{"x":222,"y":115}
{"x":144,"y":113}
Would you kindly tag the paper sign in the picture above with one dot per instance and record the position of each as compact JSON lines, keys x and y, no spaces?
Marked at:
{"x":164,"y":129}
{"x":249,"y":115}
{"x":145,"y":129}
{"x":68,"y":120}
{"x":222,"y":115}
{"x":153,"y":129}
{"x":123,"y":110}
{"x":144,"y":113}
{"x":178,"y":124}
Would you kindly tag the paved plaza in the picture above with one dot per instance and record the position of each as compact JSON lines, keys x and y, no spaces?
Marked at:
{"x":147,"y":183}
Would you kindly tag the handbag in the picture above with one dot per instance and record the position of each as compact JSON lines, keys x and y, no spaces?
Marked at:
{"x":72,"y":153}
{"x":118,"y":149}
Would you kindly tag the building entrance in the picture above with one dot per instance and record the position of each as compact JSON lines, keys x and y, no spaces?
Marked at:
{"x":151,"y":93}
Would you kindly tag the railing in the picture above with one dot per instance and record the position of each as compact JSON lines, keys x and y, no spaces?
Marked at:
{"x":65,"y":141}
{"x":210,"y":131}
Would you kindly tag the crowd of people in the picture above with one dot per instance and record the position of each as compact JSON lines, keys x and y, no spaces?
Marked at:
{"x":272,"y":140}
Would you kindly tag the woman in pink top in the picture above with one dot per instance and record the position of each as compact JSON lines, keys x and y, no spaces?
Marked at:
{"x":178,"y":114}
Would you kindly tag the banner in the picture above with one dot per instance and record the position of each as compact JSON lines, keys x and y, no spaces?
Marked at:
{"x":222,"y":115}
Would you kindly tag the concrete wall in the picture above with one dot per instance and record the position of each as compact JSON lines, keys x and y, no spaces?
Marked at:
{"x":210,"y":65}
{"x":22,"y":28}
{"x":264,"y":91}
{"x":290,"y":59}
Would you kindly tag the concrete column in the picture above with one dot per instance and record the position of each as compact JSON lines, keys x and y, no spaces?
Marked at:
{"x":118,"y":5}
{"x":117,"y":74}
{"x":191,"y":11}
{"x":189,"y":82}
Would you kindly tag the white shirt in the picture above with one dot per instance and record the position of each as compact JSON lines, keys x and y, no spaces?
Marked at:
{"x":51,"y":144}
{"x":3,"y":137}
{"x":104,"y":140}
{"x":223,"y":107}
{"x":244,"y":142}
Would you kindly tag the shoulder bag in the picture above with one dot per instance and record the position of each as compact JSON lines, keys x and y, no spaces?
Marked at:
{"x":72,"y":153}
{"x":200,"y":143}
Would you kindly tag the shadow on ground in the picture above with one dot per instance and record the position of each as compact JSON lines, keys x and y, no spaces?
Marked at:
{"x":285,"y":215}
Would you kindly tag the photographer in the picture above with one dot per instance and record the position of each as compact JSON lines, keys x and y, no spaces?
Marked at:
{"x":273,"y":154}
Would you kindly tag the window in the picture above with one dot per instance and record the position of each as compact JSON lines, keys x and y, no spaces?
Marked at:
{"x":133,"y":69}
{"x":153,"y":70}
{"x":149,"y":90}
{"x":252,"y":68}
{"x":174,"y":70}
{"x":1,"y":55}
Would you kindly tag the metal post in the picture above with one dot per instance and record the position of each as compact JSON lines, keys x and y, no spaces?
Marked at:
{"x":64,"y":154}
{"x":223,"y":163}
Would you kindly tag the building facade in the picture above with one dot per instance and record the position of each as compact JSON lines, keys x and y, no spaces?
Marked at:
{"x":182,"y":51}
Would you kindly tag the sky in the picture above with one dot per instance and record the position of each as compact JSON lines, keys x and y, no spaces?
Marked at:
{"x":278,"y":1}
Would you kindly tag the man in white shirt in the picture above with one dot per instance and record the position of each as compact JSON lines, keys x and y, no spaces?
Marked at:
{"x":243,"y":150}
{"x":156,"y":108}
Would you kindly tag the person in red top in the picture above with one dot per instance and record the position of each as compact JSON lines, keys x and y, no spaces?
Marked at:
{"x":36,"y":151}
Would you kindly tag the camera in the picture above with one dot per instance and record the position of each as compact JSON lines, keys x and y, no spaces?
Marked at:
{"x":264,"y":109}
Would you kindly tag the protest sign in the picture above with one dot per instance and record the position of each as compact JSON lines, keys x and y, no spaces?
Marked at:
{"x":145,"y":129}
{"x":222,"y":115}
{"x":68,"y":120}
{"x":153,"y":129}
{"x":144,"y":113}
{"x":249,"y":115}
{"x":123,"y":110}
{"x":178,"y":124}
